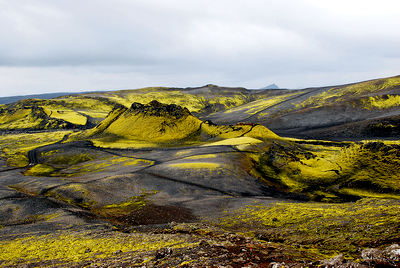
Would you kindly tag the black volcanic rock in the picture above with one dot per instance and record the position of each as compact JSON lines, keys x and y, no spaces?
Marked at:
{"x":155,"y":108}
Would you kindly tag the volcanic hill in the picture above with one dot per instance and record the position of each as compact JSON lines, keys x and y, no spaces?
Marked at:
{"x":154,"y":121}
{"x":166,"y":123}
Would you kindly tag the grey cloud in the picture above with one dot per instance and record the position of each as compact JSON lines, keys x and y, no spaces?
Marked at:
{"x":159,"y":42}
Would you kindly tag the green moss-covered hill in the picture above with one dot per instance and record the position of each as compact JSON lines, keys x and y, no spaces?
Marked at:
{"x":29,"y":117}
{"x":153,"y":122}
{"x":156,"y":123}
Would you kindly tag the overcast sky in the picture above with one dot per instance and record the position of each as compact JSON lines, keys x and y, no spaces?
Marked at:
{"x":90,"y":45}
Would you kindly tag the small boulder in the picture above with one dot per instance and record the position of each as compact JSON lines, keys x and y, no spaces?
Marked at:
{"x":162,"y":253}
{"x":393,"y":252}
{"x":277,"y":265}
{"x":204,"y":244}
{"x":375,"y":257}
{"x":333,"y":262}
{"x":371,"y":255}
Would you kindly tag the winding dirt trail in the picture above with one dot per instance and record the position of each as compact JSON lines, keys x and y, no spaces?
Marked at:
{"x":33,"y":154}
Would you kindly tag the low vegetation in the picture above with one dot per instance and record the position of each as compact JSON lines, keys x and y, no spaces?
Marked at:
{"x":380,"y":102}
{"x":68,"y":247}
{"x":328,"y":229}
{"x":343,"y":172}
{"x":29,"y":117}
{"x":66,"y":115}
{"x":346,"y":93}
{"x":258,"y":106}
{"x":14,"y":147}
{"x":70,"y":164}
{"x":60,"y":113}
{"x":40,"y":170}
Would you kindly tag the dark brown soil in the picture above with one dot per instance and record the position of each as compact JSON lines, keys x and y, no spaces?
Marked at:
{"x":154,"y":214}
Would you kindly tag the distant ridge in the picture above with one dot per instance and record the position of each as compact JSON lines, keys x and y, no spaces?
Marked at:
{"x":272,"y":86}
{"x":45,"y":96}
{"x":366,"y":109}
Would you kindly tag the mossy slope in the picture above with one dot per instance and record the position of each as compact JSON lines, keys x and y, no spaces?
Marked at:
{"x":336,"y":172}
{"x":328,"y":229}
{"x":14,"y":147}
{"x":158,"y":123}
{"x":315,"y":111}
{"x":30,"y":117}
{"x":69,"y":247}
{"x":153,"y":122}
{"x":65,"y":112}
{"x":238,"y":130}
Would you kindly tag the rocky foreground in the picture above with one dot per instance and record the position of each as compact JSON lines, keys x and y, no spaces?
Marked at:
{"x":191,"y":245}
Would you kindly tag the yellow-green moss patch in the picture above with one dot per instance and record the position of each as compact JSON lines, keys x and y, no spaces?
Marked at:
{"x":14,"y":147}
{"x":82,"y":246}
{"x":380,"y":102}
{"x":67,"y":115}
{"x":338,"y":94}
{"x":202,"y":156}
{"x":324,"y":171}
{"x":259,"y":105}
{"x":209,"y":166}
{"x":39,"y":170}
{"x":132,"y":204}
{"x":102,"y":164}
{"x":76,"y":194}
{"x":326,"y":228}
{"x":183,"y":152}
{"x":235,"y":141}
{"x":72,"y":159}
{"x":153,"y":129}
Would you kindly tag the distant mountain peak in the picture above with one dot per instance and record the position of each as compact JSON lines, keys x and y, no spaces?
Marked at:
{"x":272,"y":86}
